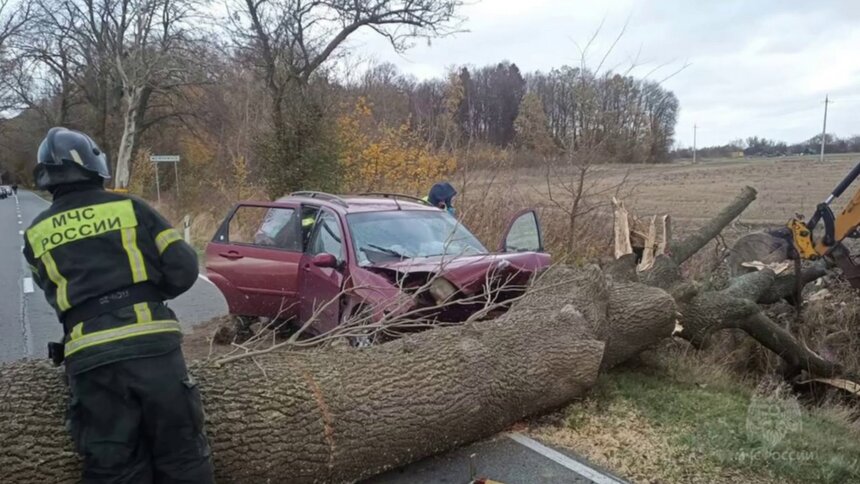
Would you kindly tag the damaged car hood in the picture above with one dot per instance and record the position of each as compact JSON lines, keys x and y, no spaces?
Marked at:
{"x":466,"y":271}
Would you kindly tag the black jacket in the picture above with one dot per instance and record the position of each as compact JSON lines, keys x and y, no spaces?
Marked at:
{"x":92,"y":243}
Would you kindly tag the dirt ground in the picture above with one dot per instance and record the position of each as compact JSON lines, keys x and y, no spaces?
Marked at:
{"x":689,"y":192}
{"x":198,"y":345}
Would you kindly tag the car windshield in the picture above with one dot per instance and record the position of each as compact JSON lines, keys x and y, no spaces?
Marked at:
{"x":405,"y":234}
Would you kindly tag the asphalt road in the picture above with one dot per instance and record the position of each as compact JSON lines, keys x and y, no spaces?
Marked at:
{"x":27,"y":324}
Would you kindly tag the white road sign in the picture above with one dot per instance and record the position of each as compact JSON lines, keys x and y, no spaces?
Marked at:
{"x":164,"y":158}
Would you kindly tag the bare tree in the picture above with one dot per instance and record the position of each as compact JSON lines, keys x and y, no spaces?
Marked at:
{"x":287,"y":41}
{"x":14,"y":17}
{"x":118,"y":54}
{"x":43,"y":74}
{"x":151,"y":47}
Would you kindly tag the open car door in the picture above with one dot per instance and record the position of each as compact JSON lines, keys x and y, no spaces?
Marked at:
{"x":323,"y":273}
{"x":254,"y":259}
{"x":523,"y":233}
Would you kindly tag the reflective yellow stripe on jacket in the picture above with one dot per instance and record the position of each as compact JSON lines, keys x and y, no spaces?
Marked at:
{"x":135,"y":258}
{"x":165,"y":238}
{"x":115,"y":334}
{"x":142,"y":312}
{"x":62,"y":284}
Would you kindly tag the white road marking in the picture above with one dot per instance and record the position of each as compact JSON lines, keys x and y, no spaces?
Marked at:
{"x":40,"y":197}
{"x":585,"y":471}
{"x":201,"y":276}
{"x":28,"y":285}
{"x":20,"y":232}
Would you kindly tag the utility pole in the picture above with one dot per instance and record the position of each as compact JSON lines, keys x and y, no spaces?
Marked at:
{"x":824,"y":129}
{"x":694,"y":142}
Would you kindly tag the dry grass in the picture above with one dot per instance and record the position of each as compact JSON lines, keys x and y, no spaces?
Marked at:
{"x":691,"y":194}
{"x":831,"y":325}
{"x":676,"y":417}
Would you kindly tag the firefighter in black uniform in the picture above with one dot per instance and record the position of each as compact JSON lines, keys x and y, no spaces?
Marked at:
{"x":107,"y":263}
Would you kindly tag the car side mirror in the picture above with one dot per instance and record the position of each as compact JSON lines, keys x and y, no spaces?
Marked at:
{"x":325,"y":260}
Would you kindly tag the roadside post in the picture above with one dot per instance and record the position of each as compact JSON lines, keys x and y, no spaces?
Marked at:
{"x":186,"y":225}
{"x":165,"y":159}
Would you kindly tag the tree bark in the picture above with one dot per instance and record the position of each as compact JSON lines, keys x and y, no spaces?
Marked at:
{"x":129,"y":136}
{"x":736,"y":306}
{"x":338,"y":416}
{"x":683,"y":250}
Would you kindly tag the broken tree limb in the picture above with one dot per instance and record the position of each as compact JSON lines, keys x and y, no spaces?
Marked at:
{"x":340,"y":416}
{"x":784,"y":286}
{"x":665,"y":234}
{"x":796,"y":355}
{"x":621,"y":229}
{"x":736,"y":306}
{"x":650,"y":248}
{"x":683,"y":250}
{"x":633,"y":236}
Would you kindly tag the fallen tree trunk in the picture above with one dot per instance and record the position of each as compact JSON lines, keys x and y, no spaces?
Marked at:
{"x":337,"y":416}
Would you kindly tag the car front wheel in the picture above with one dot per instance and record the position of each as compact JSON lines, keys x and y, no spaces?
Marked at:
{"x":362,"y":338}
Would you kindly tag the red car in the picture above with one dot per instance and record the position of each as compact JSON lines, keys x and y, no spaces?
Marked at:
{"x":379,"y":255}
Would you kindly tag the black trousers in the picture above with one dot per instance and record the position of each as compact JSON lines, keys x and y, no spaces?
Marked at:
{"x":140,"y":421}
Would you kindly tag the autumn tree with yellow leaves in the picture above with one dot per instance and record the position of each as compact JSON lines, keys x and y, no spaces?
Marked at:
{"x":376,"y":157}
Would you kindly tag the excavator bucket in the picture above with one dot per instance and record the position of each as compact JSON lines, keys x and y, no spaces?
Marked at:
{"x":843,"y":259}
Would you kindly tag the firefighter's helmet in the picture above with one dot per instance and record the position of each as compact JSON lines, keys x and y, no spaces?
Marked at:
{"x":67,"y":156}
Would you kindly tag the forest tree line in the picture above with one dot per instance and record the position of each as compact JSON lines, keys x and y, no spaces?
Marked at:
{"x":267,"y":95}
{"x":756,"y":146}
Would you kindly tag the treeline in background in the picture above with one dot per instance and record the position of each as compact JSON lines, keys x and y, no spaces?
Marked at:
{"x":269,"y":97}
{"x":755,"y":146}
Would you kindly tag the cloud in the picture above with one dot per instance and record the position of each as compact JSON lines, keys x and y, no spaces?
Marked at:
{"x":755,"y":68}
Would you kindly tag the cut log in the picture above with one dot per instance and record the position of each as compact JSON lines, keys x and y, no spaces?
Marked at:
{"x":758,"y":246}
{"x":339,"y":416}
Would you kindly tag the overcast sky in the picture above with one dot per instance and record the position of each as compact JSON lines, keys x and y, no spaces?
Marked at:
{"x":755,"y":67}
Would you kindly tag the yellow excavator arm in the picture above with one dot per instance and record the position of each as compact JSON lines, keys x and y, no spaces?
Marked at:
{"x":836,"y":229}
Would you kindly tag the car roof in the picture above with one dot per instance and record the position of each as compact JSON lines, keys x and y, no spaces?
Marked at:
{"x":347,"y":204}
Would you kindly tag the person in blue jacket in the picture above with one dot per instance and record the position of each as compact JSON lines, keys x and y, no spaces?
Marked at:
{"x":441,"y":196}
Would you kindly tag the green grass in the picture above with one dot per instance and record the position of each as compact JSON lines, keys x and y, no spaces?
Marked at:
{"x":706,"y":423}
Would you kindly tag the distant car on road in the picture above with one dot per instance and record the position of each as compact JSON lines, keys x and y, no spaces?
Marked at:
{"x":5,"y":191}
{"x":378,"y":256}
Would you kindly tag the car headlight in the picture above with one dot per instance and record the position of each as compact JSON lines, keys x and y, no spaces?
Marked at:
{"x":442,"y":290}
